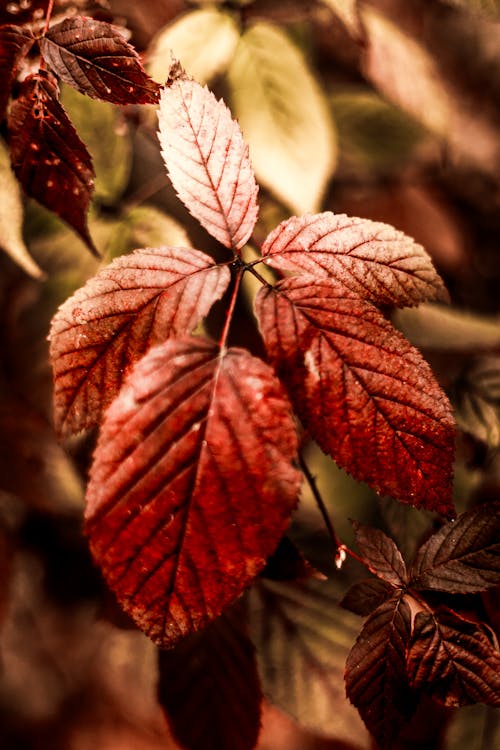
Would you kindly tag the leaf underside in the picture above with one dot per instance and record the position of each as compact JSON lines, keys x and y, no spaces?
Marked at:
{"x":192,"y":484}
{"x":376,"y":681}
{"x":463,"y":556}
{"x":134,"y":303}
{"x":93,"y":57}
{"x":212,"y":676}
{"x":364,"y":393}
{"x":454,"y":660}
{"x":373,"y":259}
{"x":207,"y":162}
{"x":381,"y":552}
{"x":48,"y":158}
{"x":15,"y":43}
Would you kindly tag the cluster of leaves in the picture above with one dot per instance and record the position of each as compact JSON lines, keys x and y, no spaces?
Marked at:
{"x":187,"y":499}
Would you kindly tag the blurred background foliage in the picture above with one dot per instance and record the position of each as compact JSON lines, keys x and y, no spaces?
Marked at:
{"x":384,"y":109}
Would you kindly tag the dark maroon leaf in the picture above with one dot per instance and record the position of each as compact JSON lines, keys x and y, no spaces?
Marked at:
{"x":454,"y":659}
{"x":48,"y":158}
{"x":376,"y":681}
{"x":192,"y":484}
{"x":372,"y":259}
{"x":134,"y":303}
{"x":15,"y":43}
{"x":464,"y":555}
{"x":210,"y":689}
{"x":365,"y":394}
{"x":380,"y":551}
{"x":94,"y":58}
{"x":288,"y":563}
{"x":365,"y":596}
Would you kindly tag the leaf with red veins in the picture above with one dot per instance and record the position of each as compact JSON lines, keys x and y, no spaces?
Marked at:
{"x":463,"y":557}
{"x":381,"y":553}
{"x":454,"y":660}
{"x":363,"y":597}
{"x":136,"y":302}
{"x":375,"y":674}
{"x":374,"y":260}
{"x":365,"y":394}
{"x":15,"y":43}
{"x":94,"y":58}
{"x":207,"y":162}
{"x":212,"y":675}
{"x":48,"y":158}
{"x":192,"y":484}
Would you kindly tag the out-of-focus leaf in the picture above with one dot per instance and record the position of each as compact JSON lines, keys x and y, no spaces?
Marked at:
{"x":463,"y":556}
{"x":204,"y":40}
{"x":302,"y":639}
{"x":475,"y":727}
{"x":93,"y":57}
{"x":365,"y":394}
{"x":207,"y":162}
{"x":102,"y":128}
{"x":372,"y":259}
{"x":365,"y":596}
{"x":381,"y":553}
{"x":454,"y":660}
{"x":145,"y":226}
{"x":49,"y":159}
{"x":209,"y":687}
{"x":348,"y":12}
{"x":490,"y":8}
{"x":407,"y":526}
{"x":192,"y":485}
{"x":440,"y":328}
{"x":375,"y":673}
{"x":477,"y":400}
{"x":11,"y":218}
{"x":134,"y":303}
{"x":284,"y":117}
{"x":15,"y":42}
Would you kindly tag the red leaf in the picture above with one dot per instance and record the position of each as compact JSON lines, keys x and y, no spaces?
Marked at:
{"x":380,"y":551}
{"x":134,"y":303}
{"x":49,"y":159}
{"x":207,"y":161}
{"x":365,"y":596}
{"x":192,"y":484}
{"x":210,"y":689}
{"x":376,"y":681}
{"x":94,"y":58}
{"x":454,"y":660}
{"x":15,"y":43}
{"x":365,"y":394}
{"x":464,"y":556}
{"x":370,"y":258}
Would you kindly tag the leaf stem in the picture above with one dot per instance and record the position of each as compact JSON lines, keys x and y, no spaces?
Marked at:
{"x":232,"y":304}
{"x":48,"y":16}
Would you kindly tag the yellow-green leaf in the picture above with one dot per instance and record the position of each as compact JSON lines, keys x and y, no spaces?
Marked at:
{"x":284,"y":117}
{"x":102,"y":128}
{"x":11,"y":218}
{"x":145,"y":226}
{"x":203,"y":41}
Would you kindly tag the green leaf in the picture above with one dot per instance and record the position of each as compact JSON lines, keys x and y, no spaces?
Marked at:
{"x":11,"y":218}
{"x":477,"y":400}
{"x":302,"y":639}
{"x":203,"y":41}
{"x":102,"y":128}
{"x":145,"y":226}
{"x":448,"y":329}
{"x":284,"y":117}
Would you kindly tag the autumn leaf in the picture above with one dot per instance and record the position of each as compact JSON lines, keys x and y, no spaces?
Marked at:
{"x":463,"y":556}
{"x":207,"y":162}
{"x":94,"y":58}
{"x":48,"y":158}
{"x":15,"y":43}
{"x":454,"y":659}
{"x":212,"y":675}
{"x":134,"y":303}
{"x":376,"y":681}
{"x":373,"y":259}
{"x":381,"y":553}
{"x":365,"y":394}
{"x":365,"y":596}
{"x":192,"y":484}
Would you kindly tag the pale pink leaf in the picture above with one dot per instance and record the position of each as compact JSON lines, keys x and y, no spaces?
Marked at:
{"x":207,"y":162}
{"x":134,"y":303}
{"x":372,"y":259}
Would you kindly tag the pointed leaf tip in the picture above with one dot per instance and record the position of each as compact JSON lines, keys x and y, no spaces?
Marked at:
{"x":207,"y":162}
